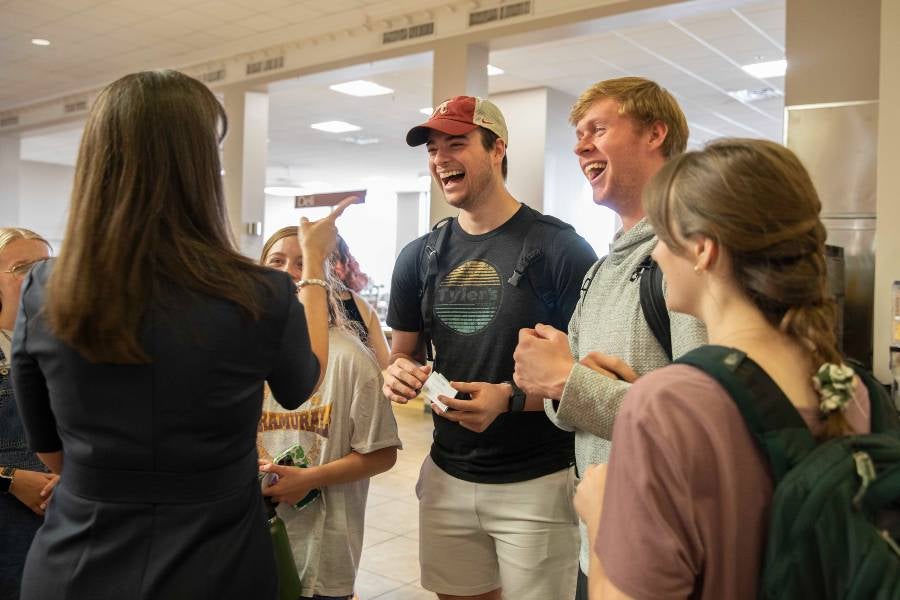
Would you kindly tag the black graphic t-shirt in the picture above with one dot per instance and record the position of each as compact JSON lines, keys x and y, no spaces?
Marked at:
{"x":476,"y":322}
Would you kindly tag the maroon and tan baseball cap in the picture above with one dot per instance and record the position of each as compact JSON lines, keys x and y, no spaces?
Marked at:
{"x":458,"y":116}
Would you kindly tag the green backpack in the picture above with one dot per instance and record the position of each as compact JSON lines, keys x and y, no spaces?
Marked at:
{"x":835,"y":513}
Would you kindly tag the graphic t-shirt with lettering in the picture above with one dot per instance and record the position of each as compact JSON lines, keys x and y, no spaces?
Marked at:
{"x":476,"y":321}
{"x":347,"y":413}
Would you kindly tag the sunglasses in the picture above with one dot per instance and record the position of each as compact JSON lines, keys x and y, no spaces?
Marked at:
{"x":21,"y":269}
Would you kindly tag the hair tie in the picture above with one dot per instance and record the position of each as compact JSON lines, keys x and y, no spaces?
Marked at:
{"x":836,"y":386}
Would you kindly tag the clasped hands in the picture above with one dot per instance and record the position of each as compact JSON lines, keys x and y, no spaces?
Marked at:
{"x":33,"y":489}
{"x":544,"y":361}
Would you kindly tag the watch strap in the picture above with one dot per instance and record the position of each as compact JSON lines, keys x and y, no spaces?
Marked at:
{"x":517,"y":399}
{"x":6,"y":478}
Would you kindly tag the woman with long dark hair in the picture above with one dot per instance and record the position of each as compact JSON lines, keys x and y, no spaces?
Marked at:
{"x":140,"y":356}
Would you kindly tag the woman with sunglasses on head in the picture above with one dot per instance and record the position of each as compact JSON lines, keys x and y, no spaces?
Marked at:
{"x":140,"y":356}
{"x":24,"y":480}
{"x":687,"y":492}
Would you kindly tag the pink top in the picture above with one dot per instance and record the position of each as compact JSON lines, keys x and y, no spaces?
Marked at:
{"x":687,"y":497}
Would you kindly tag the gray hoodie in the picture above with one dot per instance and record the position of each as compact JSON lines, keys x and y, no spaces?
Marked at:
{"x":609,"y":319}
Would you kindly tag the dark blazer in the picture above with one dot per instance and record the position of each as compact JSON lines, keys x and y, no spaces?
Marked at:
{"x":159,"y":495}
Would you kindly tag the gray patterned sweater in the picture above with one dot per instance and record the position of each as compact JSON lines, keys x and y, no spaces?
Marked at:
{"x":609,"y":319}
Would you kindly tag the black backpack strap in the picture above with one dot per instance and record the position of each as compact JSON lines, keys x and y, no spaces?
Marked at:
{"x":532,"y":253}
{"x":779,"y":430}
{"x":434,"y":245}
{"x":653,"y":303}
{"x":884,"y":417}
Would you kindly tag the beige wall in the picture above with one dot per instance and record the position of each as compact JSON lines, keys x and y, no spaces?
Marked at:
{"x":832,"y":48}
{"x":45,"y":190}
{"x":887,"y":233}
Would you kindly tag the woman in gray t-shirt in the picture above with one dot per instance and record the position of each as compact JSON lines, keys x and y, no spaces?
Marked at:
{"x":346,"y":432}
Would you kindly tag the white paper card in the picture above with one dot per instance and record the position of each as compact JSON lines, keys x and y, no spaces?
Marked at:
{"x":437,"y":385}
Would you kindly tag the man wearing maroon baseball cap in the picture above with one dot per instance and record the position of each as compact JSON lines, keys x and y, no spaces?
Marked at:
{"x":495,"y":513}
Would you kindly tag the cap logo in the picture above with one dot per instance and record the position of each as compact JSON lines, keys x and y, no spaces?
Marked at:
{"x":442,"y":109}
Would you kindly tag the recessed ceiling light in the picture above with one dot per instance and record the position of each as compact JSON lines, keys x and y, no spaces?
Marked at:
{"x":361,"y":87}
{"x":426,"y":111}
{"x":335,"y":126}
{"x":772,"y":68}
{"x":492,"y":70}
{"x":40,"y":42}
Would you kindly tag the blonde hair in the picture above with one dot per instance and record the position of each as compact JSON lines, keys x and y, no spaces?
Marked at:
{"x":756,"y":200}
{"x":9,"y":235}
{"x":645,"y":102}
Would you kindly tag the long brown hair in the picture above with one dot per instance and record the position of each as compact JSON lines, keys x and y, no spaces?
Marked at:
{"x":756,"y":200}
{"x":147,"y":207}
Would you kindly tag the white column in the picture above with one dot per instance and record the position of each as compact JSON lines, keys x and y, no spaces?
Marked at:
{"x":245,"y":165}
{"x":9,"y":180}
{"x":407,"y":219}
{"x":526,"y":119}
{"x":460,"y":69}
{"x":887,"y":267}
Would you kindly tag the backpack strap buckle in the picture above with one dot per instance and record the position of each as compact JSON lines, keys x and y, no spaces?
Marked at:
{"x":865,"y":468}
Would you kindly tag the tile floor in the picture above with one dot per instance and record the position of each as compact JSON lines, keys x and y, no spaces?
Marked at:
{"x":389,"y":568}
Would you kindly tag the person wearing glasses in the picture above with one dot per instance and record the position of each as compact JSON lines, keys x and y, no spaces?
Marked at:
{"x":24,"y":481}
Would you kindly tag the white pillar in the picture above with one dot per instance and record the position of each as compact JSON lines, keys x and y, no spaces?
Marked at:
{"x":460,"y":69}
{"x":245,"y":165}
{"x":887,"y":267}
{"x":407,"y":219}
{"x":9,"y":180}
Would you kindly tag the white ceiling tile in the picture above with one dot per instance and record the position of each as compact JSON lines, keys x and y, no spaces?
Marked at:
{"x":34,"y":8}
{"x":224,"y":10}
{"x":262,"y":23}
{"x":265,"y":5}
{"x":112,"y":13}
{"x":233,"y":31}
{"x":192,"y":19}
{"x":163,"y":29}
{"x":22,"y":21}
{"x":298,"y":13}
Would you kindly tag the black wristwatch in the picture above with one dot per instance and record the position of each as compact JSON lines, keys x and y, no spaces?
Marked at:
{"x":6,"y":478}
{"x":517,"y":399}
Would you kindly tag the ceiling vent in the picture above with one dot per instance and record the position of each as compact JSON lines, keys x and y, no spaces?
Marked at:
{"x":766,"y":93}
{"x":9,"y":121}
{"x":407,"y":33}
{"x":211,"y":76}
{"x":78,"y":106}
{"x":360,"y":141}
{"x":265,"y":65}
{"x":508,"y":11}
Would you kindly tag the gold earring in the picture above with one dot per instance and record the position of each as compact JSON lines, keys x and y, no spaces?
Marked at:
{"x":697,"y":269}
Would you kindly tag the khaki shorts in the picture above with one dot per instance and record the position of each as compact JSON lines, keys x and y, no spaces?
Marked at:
{"x":477,"y":537}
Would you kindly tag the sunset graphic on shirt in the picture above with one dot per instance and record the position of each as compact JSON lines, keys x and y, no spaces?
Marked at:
{"x":468,"y":297}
